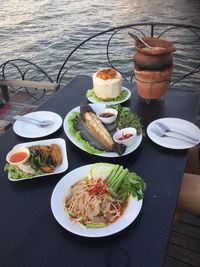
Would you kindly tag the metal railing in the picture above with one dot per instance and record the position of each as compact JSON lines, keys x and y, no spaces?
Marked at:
{"x":186,"y":59}
{"x":114,"y":48}
{"x":25,"y":70}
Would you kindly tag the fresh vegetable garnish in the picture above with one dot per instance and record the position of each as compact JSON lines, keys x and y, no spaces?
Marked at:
{"x":121,"y":97}
{"x":126,"y":118}
{"x":122,"y":135}
{"x":102,"y":170}
{"x":18,"y":174}
{"x":100,"y":187}
{"x":95,"y":225}
{"x":121,"y":182}
{"x":127,"y":183}
{"x":125,"y":136}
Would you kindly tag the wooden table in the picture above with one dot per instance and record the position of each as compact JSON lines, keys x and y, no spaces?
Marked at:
{"x":30,"y":236}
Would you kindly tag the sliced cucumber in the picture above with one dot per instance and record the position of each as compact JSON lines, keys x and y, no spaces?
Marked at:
{"x":95,"y":225}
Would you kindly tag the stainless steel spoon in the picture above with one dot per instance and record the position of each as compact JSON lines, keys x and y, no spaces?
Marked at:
{"x":33,"y":121}
{"x":136,"y":37}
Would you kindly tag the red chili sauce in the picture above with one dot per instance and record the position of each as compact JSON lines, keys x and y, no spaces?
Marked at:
{"x":106,"y":115}
{"x":18,"y":156}
{"x":125,"y":136}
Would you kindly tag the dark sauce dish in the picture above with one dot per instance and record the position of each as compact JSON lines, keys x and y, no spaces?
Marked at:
{"x":108,"y":115}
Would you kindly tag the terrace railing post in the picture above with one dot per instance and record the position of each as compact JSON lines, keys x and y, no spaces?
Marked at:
{"x":4,"y":92}
{"x":152,"y":30}
{"x":22,"y":67}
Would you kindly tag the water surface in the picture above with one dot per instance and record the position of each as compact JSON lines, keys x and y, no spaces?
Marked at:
{"x":46,"y":31}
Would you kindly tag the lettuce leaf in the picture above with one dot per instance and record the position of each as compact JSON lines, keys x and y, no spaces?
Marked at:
{"x":15,"y":173}
{"x":121,"y":97}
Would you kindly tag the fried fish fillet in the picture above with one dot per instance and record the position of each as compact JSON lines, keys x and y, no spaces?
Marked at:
{"x":56,"y":154}
{"x":97,"y":129}
{"x":47,"y":169}
{"x":46,"y":157}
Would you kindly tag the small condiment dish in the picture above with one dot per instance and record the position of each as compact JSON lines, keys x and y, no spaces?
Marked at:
{"x":108,"y":115}
{"x":126,"y":136}
{"x":18,"y":156}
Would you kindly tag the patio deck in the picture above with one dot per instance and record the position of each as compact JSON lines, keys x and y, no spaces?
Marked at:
{"x":184,"y":244}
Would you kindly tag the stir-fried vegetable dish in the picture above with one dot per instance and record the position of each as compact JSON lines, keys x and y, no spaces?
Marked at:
{"x":42,"y":159}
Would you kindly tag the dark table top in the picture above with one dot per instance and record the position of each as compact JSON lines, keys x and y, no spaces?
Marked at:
{"x":31,"y":237}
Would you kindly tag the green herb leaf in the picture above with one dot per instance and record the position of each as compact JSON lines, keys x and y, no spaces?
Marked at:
{"x":127,"y":118}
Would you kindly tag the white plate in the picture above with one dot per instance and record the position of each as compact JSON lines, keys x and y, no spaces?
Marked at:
{"x":176,"y":124}
{"x":93,"y":100}
{"x":59,"y":169}
{"x":57,"y":207}
{"x":29,"y":130}
{"x":97,"y":107}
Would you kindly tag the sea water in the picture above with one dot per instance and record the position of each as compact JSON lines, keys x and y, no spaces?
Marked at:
{"x":46,"y":31}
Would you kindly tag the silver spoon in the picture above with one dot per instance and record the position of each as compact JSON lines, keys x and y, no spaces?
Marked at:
{"x":163,"y":130}
{"x":33,"y":121}
{"x":136,"y":37}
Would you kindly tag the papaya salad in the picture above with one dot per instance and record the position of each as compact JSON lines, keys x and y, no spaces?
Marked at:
{"x":101,"y":197}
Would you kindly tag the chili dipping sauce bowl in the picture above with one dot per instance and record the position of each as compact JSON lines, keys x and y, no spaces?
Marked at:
{"x":126,"y":136}
{"x":108,"y":115}
{"x":18,"y":156}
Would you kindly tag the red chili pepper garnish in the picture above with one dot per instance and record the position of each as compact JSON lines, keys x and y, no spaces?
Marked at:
{"x":99,"y":187}
{"x":122,"y":135}
{"x":106,"y":181}
{"x":91,"y":206}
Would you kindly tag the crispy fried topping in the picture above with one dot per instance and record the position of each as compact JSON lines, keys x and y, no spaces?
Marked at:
{"x":107,"y":74}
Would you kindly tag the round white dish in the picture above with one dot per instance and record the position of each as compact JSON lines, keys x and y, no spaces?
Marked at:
{"x":110,"y":119}
{"x":57,"y":207}
{"x":29,"y":130}
{"x":15,"y":151}
{"x":98,"y":108}
{"x":129,"y":141}
{"x":180,"y":125}
{"x":93,"y":100}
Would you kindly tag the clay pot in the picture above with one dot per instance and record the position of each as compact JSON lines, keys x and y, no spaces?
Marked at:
{"x":152,"y":84}
{"x":153,"y":67}
{"x":158,"y":58}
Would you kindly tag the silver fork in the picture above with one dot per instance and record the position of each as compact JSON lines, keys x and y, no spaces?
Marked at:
{"x":165,"y":129}
{"x":162,"y":131}
{"x":33,"y":121}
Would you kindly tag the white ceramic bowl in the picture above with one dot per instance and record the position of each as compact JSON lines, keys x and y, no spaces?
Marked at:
{"x":18,"y":156}
{"x":103,"y":115}
{"x":121,"y":136}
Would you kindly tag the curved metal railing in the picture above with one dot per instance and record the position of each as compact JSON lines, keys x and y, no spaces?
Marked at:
{"x":114,"y":48}
{"x":186,"y":60}
{"x":22,"y":69}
